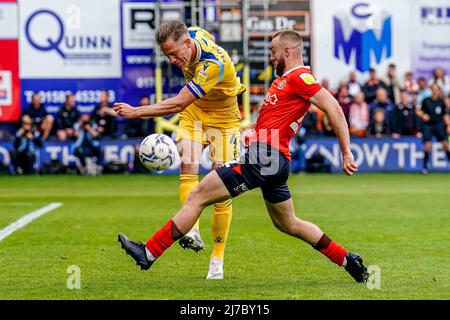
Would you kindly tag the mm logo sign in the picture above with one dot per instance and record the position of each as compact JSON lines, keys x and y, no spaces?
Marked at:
{"x":363,"y":37}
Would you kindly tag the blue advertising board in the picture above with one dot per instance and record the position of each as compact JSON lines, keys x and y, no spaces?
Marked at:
{"x":371,"y":154}
{"x":384,"y":154}
{"x":53,"y":92}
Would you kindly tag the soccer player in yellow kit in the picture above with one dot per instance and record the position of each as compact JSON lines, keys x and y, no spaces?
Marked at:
{"x":209,"y":115}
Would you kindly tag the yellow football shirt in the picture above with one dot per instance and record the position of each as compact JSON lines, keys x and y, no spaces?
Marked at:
{"x":211,"y":77}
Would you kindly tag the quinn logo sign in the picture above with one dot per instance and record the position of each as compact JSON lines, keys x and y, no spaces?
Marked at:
{"x":68,"y":45}
{"x":363,"y":37}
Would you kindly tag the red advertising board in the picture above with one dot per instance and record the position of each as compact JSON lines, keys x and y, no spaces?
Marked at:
{"x":9,"y":81}
{"x":9,"y":63}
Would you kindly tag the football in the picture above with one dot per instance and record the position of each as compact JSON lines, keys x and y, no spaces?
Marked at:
{"x":157,"y":152}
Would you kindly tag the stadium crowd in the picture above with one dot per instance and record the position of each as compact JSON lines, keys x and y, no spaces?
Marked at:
{"x":386,"y":106}
{"x":381,"y":106}
{"x":83,"y":131}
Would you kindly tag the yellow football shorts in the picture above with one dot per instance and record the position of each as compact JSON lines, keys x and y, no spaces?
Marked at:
{"x":218,"y":129}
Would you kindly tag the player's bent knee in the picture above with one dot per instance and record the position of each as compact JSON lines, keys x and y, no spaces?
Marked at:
{"x":197,"y":197}
{"x":277,"y":225}
{"x":286,"y":225}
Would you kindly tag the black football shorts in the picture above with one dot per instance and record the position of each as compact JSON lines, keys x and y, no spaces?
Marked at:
{"x":260,"y":166}
{"x":437,"y":130}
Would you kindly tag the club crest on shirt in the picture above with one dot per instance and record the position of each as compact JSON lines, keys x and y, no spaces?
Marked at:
{"x":307,"y":78}
{"x":282,"y":85}
{"x":201,"y":78}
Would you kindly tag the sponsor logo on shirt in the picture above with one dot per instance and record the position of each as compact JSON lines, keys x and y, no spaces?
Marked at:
{"x":201,"y":78}
{"x":241,"y":188}
{"x":308,"y":78}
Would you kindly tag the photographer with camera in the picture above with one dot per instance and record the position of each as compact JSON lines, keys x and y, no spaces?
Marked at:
{"x":66,"y":118}
{"x":105,"y":116}
{"x":87,"y":144}
{"x":26,"y":148}
{"x":41,"y":119}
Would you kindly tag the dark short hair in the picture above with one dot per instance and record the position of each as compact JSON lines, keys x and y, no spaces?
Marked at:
{"x":173,"y":29}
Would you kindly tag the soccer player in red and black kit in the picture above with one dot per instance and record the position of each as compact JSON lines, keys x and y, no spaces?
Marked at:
{"x":266,"y":163}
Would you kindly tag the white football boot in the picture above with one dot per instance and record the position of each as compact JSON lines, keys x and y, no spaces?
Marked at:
{"x":215,"y":269}
{"x":192,"y":240}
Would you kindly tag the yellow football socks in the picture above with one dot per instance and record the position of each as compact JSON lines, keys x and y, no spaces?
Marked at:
{"x":187,"y":183}
{"x":220,"y":225}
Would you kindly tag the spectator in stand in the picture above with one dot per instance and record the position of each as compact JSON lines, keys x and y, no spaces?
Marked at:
{"x":104,"y":116}
{"x":409,"y":84}
{"x":42,"y":121}
{"x":353,"y":86}
{"x":436,"y":123}
{"x":359,"y":116}
{"x":442,"y":80}
{"x":379,"y":126}
{"x":414,"y":99}
{"x":392,"y":84}
{"x":66,"y":118}
{"x":344,"y":99}
{"x":87,"y":143}
{"x":404,"y":118}
{"x":381,"y":102}
{"x":327,"y":128}
{"x":371,"y":86}
{"x":140,"y":127}
{"x":423,"y":91}
{"x":26,"y":148}
{"x":326,"y":85}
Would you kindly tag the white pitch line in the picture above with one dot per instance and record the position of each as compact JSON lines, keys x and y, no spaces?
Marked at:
{"x":22,"y":222}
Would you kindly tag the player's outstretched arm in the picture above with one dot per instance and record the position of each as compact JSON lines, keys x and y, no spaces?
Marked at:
{"x":161,"y":109}
{"x":328,"y":104}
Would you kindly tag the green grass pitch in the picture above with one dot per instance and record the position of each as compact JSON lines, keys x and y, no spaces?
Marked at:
{"x":398,"y":222}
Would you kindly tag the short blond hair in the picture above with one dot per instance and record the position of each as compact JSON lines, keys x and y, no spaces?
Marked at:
{"x":172,"y":29}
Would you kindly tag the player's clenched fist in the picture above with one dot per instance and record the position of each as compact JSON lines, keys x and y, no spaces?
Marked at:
{"x":124,"y":110}
{"x":349,"y":165}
